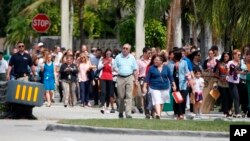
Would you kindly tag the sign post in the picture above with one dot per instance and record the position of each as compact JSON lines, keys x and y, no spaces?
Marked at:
{"x":41,"y":23}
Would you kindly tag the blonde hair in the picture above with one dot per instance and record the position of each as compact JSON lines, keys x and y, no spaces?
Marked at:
{"x":83,"y":56}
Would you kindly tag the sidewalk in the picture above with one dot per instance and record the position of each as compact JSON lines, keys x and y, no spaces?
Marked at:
{"x":58,"y":111}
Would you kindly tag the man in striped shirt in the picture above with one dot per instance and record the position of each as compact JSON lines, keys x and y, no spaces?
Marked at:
{"x":126,"y":67}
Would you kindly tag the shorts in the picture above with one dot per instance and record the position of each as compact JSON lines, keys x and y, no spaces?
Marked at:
{"x":198,"y":97}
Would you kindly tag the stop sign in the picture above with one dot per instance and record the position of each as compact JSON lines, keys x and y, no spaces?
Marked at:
{"x":41,"y":23}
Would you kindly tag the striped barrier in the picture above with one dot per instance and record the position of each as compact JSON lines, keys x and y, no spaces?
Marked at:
{"x":27,"y":93}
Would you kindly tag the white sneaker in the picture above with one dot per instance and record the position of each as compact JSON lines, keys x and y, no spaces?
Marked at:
{"x":107,"y":111}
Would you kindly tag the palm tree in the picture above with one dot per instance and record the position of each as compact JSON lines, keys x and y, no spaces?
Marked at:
{"x":228,"y":19}
{"x":172,"y":9}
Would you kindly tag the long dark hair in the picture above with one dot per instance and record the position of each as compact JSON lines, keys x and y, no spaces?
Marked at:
{"x":104,"y":55}
{"x":152,"y":60}
{"x":223,"y":54}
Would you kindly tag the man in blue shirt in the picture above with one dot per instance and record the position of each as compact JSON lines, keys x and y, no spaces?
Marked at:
{"x":126,"y":67}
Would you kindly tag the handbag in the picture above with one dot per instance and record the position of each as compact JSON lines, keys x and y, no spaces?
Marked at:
{"x":149,"y":102}
{"x":177,"y":97}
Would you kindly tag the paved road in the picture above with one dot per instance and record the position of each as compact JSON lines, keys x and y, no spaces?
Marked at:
{"x":13,"y":130}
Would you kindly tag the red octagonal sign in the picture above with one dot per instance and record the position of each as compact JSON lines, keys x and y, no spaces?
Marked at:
{"x":41,"y":23}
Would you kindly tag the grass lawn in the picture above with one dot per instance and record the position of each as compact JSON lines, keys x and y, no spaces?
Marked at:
{"x":156,"y":124}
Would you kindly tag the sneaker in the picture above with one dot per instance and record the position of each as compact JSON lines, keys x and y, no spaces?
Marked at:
{"x":248,"y":115}
{"x":157,"y":117}
{"x":128,"y":116}
{"x":102,"y":111}
{"x":147,"y":116}
{"x":133,"y":111}
{"x":107,"y":111}
{"x":88,"y":104}
{"x":120,"y":115}
{"x":140,"y":110}
{"x":237,"y":116}
{"x":112,"y":111}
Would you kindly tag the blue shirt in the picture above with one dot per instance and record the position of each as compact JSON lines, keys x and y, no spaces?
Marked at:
{"x":171,"y":66}
{"x":159,"y":80}
{"x":189,"y":63}
{"x":183,"y":71}
{"x":125,"y":65}
{"x":243,"y":67}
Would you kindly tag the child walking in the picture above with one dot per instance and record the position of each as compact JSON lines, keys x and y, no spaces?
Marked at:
{"x":198,"y":89}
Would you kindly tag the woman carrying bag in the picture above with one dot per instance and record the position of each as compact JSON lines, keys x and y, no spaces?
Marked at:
{"x":159,"y":80}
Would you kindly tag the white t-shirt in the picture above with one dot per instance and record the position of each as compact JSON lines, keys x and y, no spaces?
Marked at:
{"x":58,"y":58}
{"x":198,"y":84}
{"x":232,"y":78}
{"x":3,"y":66}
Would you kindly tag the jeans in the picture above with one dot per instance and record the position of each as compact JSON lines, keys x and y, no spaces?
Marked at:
{"x":84,"y":92}
{"x":226,"y":99}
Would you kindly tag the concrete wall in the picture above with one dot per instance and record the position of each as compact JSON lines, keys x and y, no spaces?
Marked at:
{"x":51,"y":41}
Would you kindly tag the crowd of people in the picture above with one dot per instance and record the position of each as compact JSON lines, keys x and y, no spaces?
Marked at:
{"x":115,"y":79}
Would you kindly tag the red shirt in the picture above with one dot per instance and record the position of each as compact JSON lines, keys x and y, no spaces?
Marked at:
{"x":107,"y":69}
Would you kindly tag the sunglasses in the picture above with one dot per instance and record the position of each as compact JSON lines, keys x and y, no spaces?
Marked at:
{"x":125,"y":48}
{"x":20,"y":46}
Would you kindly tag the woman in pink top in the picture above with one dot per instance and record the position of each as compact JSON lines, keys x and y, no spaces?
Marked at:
{"x":84,"y":66}
{"x":211,"y":62}
{"x":107,"y":90}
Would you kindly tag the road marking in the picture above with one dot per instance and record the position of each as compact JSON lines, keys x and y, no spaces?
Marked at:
{"x":68,"y":139}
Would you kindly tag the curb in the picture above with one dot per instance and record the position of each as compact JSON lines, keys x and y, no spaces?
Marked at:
{"x":90,"y":129}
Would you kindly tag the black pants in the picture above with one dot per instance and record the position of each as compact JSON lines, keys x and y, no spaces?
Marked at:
{"x":179,"y":109}
{"x":235,"y":95}
{"x":226,"y":99}
{"x":94,"y":94}
{"x":107,"y":91}
{"x":60,"y":89}
{"x":243,"y":96}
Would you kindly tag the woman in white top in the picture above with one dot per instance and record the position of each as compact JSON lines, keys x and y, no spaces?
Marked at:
{"x":84,"y":66}
{"x":233,"y":79}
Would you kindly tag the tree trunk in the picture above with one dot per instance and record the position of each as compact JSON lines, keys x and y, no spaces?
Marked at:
{"x":80,"y":16}
{"x":170,"y":42}
{"x":177,"y":23}
{"x":174,"y":25}
{"x":206,"y":40}
{"x":195,"y":25}
{"x":65,"y":24}
{"x":140,"y":31}
{"x":186,"y":30}
{"x":117,"y":17}
{"x":71,"y":25}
